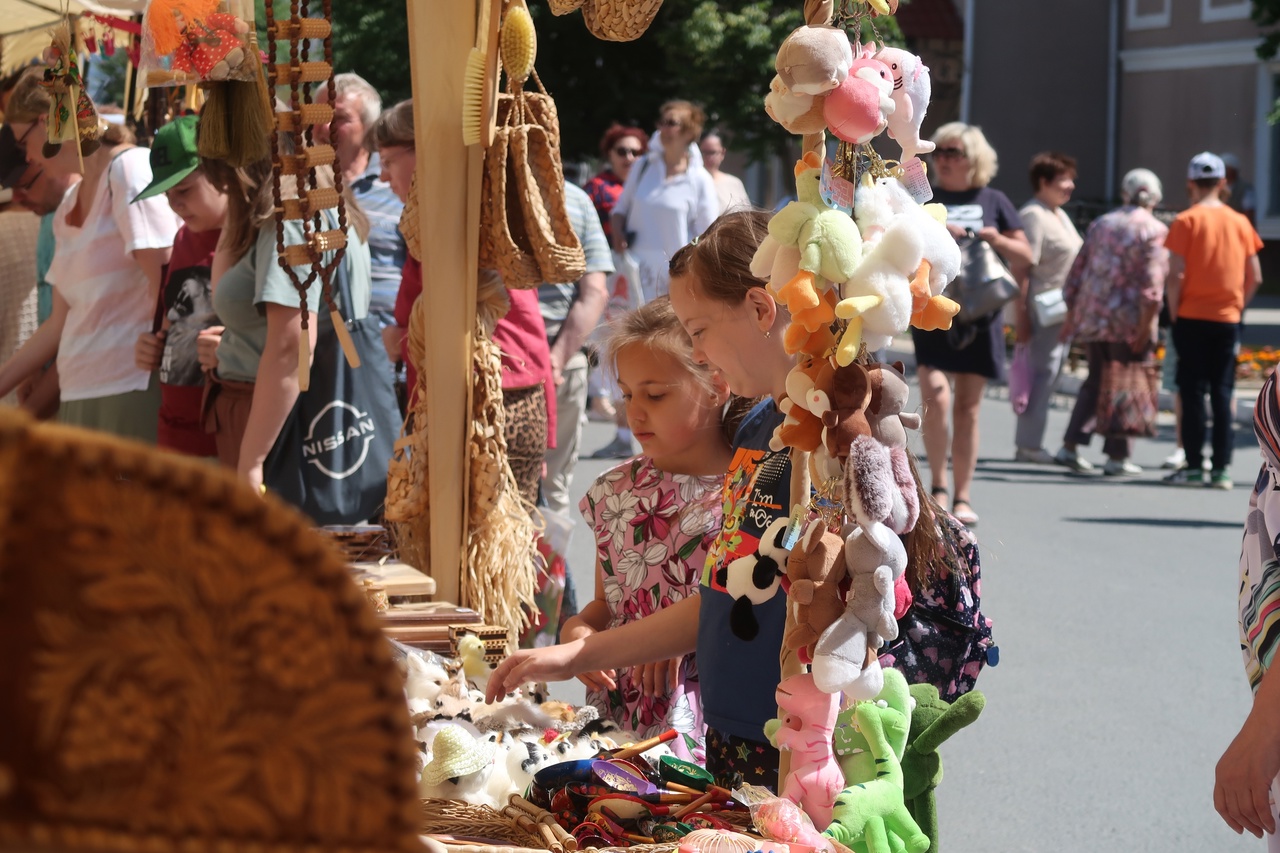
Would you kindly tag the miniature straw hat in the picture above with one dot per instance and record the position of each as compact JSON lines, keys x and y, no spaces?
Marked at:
{"x":454,"y":753}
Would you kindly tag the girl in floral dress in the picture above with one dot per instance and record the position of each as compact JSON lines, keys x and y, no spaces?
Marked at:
{"x":654,"y":517}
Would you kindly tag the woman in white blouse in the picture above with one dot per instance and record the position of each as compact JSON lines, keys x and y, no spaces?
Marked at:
{"x":669,"y":198}
{"x":106,"y":278}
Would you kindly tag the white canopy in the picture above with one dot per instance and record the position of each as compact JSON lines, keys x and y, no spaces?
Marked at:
{"x":24,"y":24}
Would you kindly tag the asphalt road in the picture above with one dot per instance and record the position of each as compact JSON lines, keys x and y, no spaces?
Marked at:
{"x":1120,"y":681}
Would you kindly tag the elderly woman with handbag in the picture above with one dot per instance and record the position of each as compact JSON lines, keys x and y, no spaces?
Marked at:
{"x":1113,"y":294}
{"x":971,"y":352}
{"x":1041,"y":312}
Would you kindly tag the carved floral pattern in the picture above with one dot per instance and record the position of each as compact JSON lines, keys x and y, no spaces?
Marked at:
{"x":192,"y":667}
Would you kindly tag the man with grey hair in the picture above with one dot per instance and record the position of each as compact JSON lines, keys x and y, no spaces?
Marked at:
{"x":357,"y":105}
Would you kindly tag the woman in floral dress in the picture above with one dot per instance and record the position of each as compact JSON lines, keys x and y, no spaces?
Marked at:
{"x":654,"y":517}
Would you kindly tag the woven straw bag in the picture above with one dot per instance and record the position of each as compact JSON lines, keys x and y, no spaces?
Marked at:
{"x":525,"y":231}
{"x":409,"y":220}
{"x":619,"y":20}
{"x":564,"y":7}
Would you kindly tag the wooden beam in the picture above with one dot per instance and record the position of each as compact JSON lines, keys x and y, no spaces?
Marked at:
{"x":441,"y":32}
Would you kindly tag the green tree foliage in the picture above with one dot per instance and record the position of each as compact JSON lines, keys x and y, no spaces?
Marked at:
{"x":717,"y":54}
{"x":1266,"y":14}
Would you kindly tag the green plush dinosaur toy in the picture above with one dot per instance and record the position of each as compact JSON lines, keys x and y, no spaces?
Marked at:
{"x":871,"y":814}
{"x":932,"y":721}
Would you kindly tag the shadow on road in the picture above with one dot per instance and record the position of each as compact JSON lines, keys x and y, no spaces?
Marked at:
{"x":1157,"y":522}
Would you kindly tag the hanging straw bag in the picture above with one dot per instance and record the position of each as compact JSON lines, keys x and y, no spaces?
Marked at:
{"x":619,"y":20}
{"x":525,"y":232}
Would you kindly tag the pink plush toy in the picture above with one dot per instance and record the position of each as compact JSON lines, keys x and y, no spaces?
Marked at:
{"x":806,"y":730}
{"x":779,"y":819}
{"x":857,"y":110}
{"x":911,"y":90}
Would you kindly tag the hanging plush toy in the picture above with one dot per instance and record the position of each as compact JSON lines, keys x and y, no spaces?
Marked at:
{"x":933,"y":721}
{"x":872,"y":809}
{"x":815,"y":571}
{"x":911,"y":91}
{"x":857,"y":110}
{"x":805,"y":730}
{"x":201,"y":41}
{"x":72,"y":115}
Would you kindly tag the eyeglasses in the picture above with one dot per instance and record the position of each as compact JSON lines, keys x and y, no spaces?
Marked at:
{"x":26,"y":185}
{"x":23,"y":139}
{"x":944,"y":153}
{"x":671,"y":122}
{"x":624,"y":151}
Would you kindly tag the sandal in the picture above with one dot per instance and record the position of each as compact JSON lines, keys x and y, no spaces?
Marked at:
{"x":963,"y":513}
{"x":941,"y":497}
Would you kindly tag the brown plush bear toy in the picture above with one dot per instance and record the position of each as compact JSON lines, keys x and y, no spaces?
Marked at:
{"x":889,"y":394}
{"x":815,"y":571}
{"x":847,"y":417}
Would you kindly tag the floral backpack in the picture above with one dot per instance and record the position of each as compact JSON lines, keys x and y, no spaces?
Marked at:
{"x":944,"y":639}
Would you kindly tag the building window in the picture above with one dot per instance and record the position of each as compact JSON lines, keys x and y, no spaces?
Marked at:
{"x":1267,"y":160}
{"x":1224,"y":10}
{"x":1149,"y":14}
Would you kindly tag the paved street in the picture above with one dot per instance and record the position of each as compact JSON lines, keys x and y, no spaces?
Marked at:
{"x":1120,"y":680}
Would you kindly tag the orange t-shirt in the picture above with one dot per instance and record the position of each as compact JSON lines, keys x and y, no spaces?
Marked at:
{"x":1215,"y":243}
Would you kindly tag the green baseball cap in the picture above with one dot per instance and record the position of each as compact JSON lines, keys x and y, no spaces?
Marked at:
{"x":173,"y":155}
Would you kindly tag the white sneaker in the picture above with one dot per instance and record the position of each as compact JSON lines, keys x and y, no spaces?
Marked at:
{"x":1121,"y":468}
{"x":1035,"y":456}
{"x":1074,"y":461}
{"x":1176,"y":460}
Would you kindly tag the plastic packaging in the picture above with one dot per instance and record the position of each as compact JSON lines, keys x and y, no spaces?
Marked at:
{"x":198,"y":41}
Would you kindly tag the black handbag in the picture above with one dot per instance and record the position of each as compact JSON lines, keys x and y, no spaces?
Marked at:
{"x":330,"y":459}
{"x":984,"y":285}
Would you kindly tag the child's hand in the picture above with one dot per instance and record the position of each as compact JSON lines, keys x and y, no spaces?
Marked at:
{"x":1243,"y":779}
{"x":657,"y":679}
{"x":552,"y":663}
{"x":147,"y":351}
{"x":603,"y":679}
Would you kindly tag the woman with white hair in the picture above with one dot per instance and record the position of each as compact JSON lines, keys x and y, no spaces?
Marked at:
{"x":1114,"y":292}
{"x":967,"y":354}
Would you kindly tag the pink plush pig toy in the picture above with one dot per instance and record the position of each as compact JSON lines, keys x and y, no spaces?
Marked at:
{"x":858,"y":109}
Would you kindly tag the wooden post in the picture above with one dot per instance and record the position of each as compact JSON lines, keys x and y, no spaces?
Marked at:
{"x":440,"y":35}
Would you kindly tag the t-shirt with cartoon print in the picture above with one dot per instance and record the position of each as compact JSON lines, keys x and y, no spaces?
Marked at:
{"x":739,"y":676}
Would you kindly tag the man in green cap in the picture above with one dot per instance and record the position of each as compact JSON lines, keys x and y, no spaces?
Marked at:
{"x":186,"y":297}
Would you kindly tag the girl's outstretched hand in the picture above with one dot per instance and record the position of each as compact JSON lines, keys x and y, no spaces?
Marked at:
{"x":657,"y":679}
{"x":601,"y":679}
{"x":551,"y":663}
{"x":1242,"y":780}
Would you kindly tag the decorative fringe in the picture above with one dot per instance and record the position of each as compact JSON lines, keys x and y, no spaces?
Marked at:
{"x":237,"y":121}
{"x":503,"y":562}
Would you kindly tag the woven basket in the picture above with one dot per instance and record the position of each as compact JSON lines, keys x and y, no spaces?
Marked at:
{"x":409,"y":220}
{"x":619,"y":20}
{"x":564,"y":7}
{"x":525,"y":231}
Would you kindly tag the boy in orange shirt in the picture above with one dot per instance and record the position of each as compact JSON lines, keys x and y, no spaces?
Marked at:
{"x":1213,"y":273}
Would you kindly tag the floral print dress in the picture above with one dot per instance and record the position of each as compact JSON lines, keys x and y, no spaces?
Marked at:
{"x":652,"y":532}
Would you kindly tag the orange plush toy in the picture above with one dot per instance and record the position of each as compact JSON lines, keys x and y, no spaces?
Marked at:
{"x":201,"y":40}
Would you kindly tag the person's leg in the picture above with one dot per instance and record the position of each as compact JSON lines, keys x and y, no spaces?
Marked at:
{"x":935,"y":394}
{"x":1189,"y":338}
{"x":571,"y":403}
{"x":526,"y":432}
{"x":964,"y":441}
{"x":1220,"y":369}
{"x":1078,"y":433}
{"x":1119,"y":449}
{"x":1046,"y":361}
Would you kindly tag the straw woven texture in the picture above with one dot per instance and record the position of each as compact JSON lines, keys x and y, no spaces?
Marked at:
{"x":409,"y":220}
{"x":619,"y":20}
{"x":525,"y":231}
{"x":189,"y":665}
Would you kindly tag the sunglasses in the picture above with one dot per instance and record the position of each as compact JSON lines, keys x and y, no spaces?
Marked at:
{"x":957,"y":153}
{"x":624,"y":151}
{"x":671,"y":122}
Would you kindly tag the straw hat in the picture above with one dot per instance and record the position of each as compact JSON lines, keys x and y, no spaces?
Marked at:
{"x":454,"y":752}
